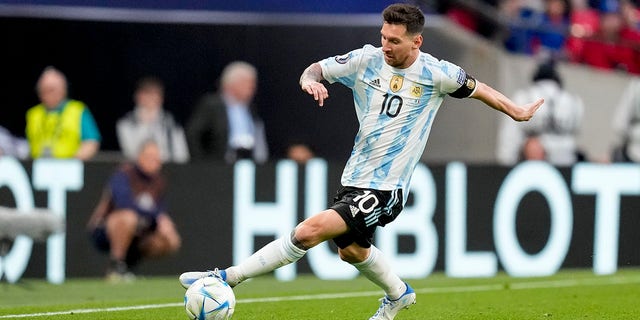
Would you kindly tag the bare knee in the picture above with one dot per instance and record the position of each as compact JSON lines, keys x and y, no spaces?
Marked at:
{"x":173,"y":242}
{"x":161,"y":244}
{"x":165,"y":240}
{"x":323,"y":226}
{"x":307,"y":234}
{"x":122,"y":220}
{"x":353,"y":254}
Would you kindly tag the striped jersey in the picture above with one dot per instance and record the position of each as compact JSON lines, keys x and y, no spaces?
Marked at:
{"x":395,"y":109}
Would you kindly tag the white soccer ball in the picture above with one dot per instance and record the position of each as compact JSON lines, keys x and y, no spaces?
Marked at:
{"x":209,"y":299}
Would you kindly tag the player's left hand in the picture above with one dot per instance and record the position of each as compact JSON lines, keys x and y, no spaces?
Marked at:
{"x":527,"y":111}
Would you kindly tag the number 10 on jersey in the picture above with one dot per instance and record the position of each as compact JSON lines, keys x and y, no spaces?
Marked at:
{"x":391,"y":105}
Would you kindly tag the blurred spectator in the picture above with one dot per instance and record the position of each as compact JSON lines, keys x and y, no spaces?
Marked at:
{"x":551,"y":36}
{"x":59,"y":127}
{"x":585,"y":22}
{"x":630,"y":14}
{"x":630,"y":33}
{"x":535,"y":32}
{"x":130,"y":221}
{"x":510,"y":9}
{"x":555,"y":125}
{"x":300,"y":152}
{"x":610,"y":47}
{"x":522,"y":19}
{"x":12,"y":146}
{"x":149,"y":120}
{"x":533,"y":150}
{"x":463,"y":17}
{"x":225,"y":125}
{"x":584,"y":19}
{"x":626,"y":125}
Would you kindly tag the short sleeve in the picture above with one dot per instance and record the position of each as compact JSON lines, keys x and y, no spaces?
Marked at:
{"x":89,"y":127}
{"x":342,"y":68}
{"x":453,"y":77}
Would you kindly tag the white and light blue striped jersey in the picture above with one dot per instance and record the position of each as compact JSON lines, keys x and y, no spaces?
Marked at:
{"x":395,"y":108}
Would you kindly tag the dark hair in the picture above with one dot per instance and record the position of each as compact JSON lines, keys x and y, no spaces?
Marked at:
{"x":547,"y":71}
{"x":149,"y":82}
{"x":405,"y":14}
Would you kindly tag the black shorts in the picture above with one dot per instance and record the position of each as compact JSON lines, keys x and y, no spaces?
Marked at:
{"x":364,"y":210}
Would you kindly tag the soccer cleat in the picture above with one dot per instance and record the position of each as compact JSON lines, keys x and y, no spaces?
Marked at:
{"x":188,"y":278}
{"x":389,"y":308}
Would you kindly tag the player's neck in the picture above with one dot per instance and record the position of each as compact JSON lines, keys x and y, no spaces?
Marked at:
{"x":410,"y":59}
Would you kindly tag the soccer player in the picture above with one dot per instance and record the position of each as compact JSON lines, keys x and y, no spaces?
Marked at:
{"x":397,"y":90}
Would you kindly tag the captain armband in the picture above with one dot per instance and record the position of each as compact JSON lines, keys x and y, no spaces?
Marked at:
{"x":466,"y":90}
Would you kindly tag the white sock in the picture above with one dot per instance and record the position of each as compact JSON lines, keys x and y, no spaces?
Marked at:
{"x":275,"y":254}
{"x":377,"y":270}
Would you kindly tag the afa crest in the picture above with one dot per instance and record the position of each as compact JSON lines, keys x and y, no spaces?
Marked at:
{"x":471,"y":83}
{"x":416,"y":91}
{"x":396,"y":83}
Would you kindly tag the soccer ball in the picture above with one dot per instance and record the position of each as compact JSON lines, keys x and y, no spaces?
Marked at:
{"x":209,"y":298}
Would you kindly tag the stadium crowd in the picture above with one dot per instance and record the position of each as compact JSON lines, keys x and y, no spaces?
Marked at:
{"x":604,"y":34}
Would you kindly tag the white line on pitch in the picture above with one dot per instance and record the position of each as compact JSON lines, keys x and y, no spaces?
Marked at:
{"x":95,"y":310}
{"x":525,"y":285}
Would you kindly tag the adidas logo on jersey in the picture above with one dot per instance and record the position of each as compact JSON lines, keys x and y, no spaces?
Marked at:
{"x":375,"y":82}
{"x":354,"y":210}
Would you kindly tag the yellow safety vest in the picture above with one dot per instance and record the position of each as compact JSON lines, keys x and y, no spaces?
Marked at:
{"x":55,"y":134}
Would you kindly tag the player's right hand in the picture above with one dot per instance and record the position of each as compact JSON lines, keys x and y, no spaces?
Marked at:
{"x":317,"y":90}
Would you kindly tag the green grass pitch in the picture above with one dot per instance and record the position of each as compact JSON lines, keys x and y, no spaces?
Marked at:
{"x":570,"y":294}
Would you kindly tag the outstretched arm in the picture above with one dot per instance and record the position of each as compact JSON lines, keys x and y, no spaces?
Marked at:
{"x":500,"y":102}
{"x":310,"y":83}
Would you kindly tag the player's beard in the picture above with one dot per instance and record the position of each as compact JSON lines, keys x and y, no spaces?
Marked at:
{"x":390,"y":60}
